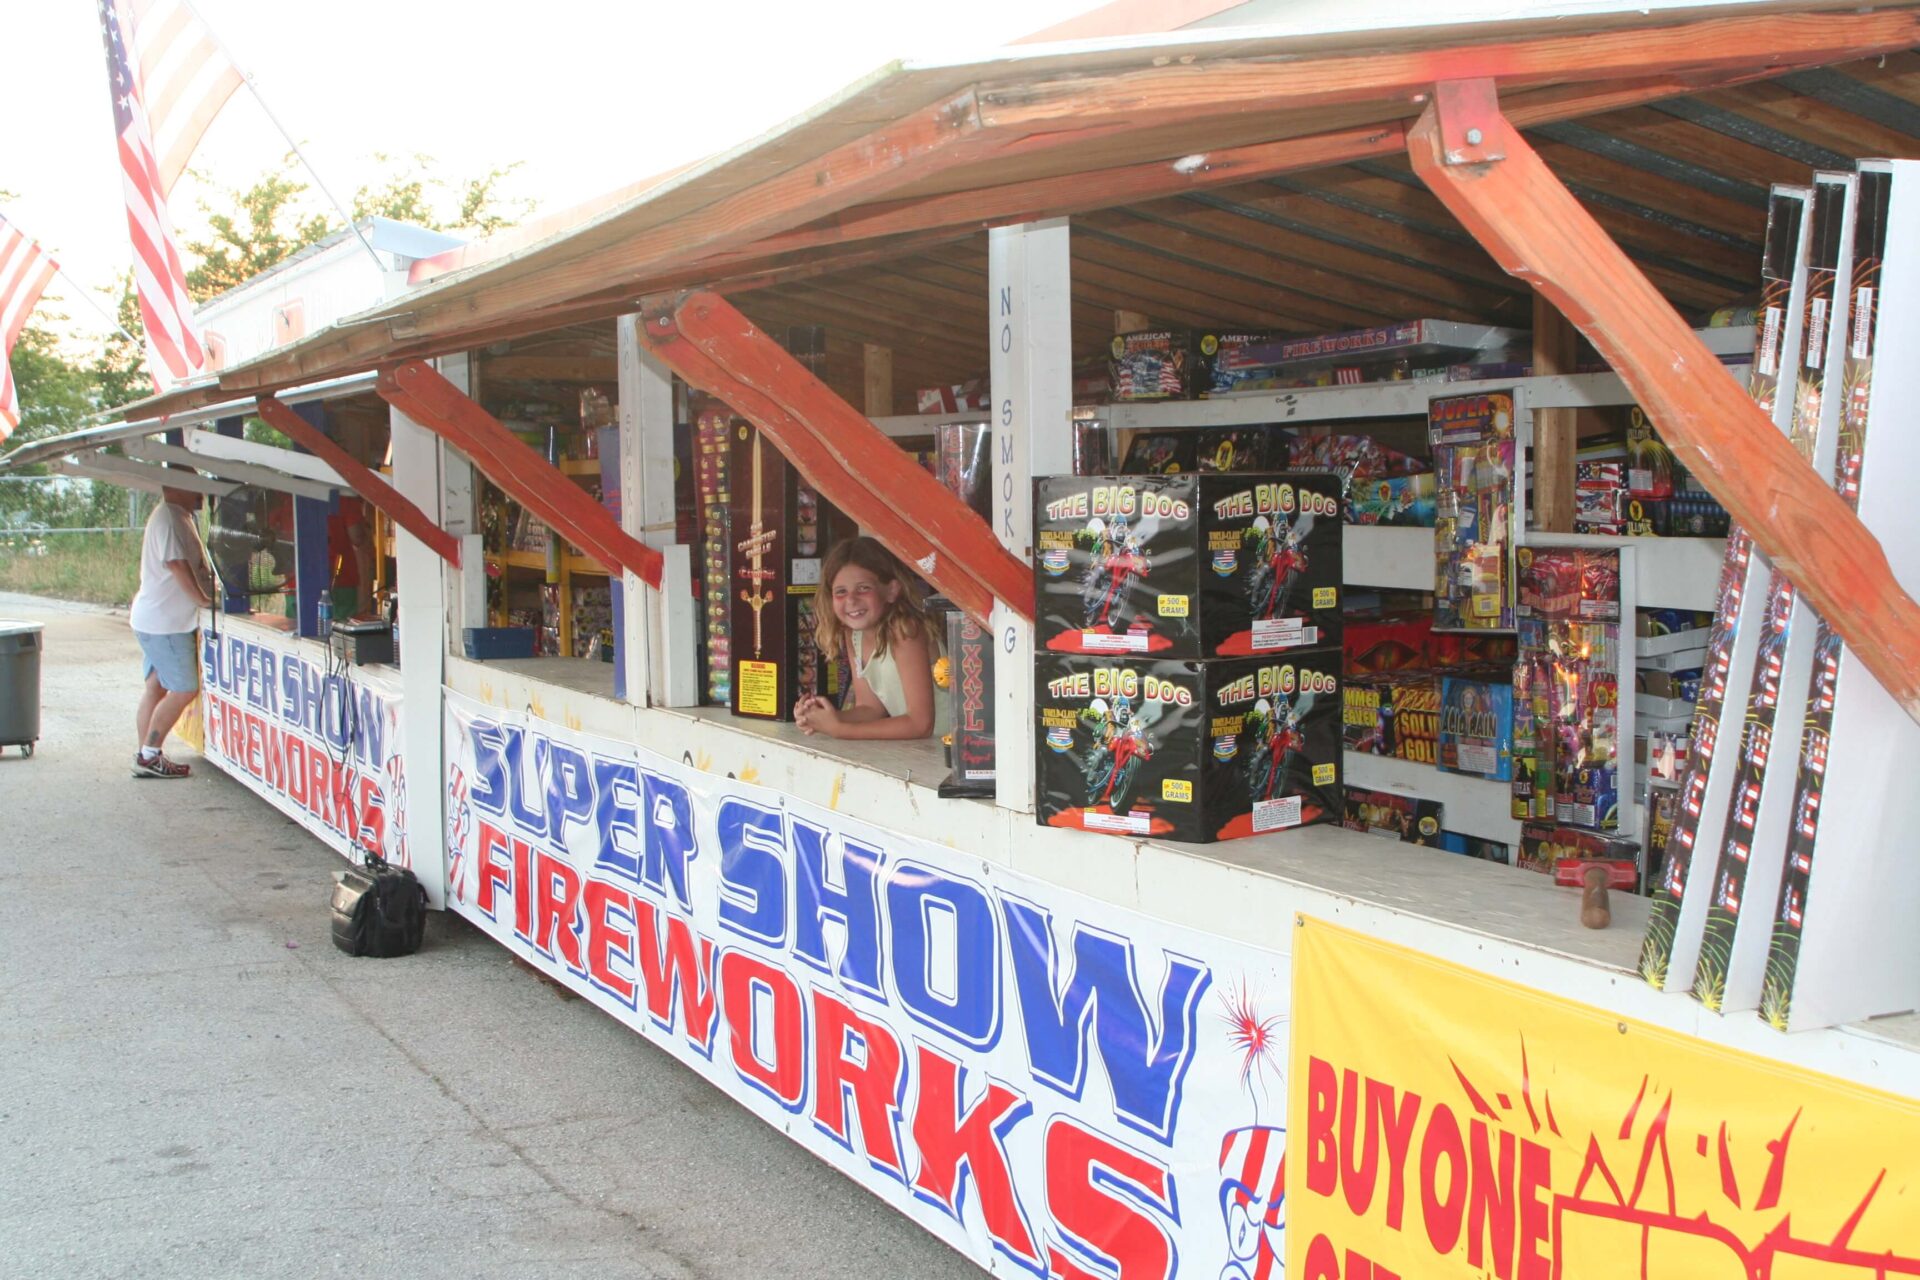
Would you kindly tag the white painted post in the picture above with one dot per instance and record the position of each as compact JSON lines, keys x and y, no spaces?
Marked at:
{"x":659,"y":660}
{"x":1031,"y":347}
{"x":430,"y":594}
{"x":460,"y":516}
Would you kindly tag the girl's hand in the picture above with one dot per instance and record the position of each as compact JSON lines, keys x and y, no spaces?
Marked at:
{"x":800,"y":707}
{"x":817,"y":715}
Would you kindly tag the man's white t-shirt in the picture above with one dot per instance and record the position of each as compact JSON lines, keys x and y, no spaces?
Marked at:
{"x":163,"y":606}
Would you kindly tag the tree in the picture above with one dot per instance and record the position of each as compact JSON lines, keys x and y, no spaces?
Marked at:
{"x":475,"y":206}
{"x":57,"y":394}
{"x":263,"y":225}
{"x":266,"y":227}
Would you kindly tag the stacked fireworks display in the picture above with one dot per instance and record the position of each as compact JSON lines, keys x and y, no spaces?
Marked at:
{"x":1189,"y":685}
{"x":1672,"y":945}
{"x":1475,"y":460}
{"x":1838,"y":944}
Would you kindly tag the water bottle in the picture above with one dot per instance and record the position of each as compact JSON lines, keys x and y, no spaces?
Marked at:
{"x":326,"y":614}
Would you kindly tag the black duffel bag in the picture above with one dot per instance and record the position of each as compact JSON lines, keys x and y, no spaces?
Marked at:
{"x":378,"y":910}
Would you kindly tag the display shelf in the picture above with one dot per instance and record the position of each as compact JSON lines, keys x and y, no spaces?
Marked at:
{"x":579,"y":564}
{"x":1674,"y":573}
{"x":580,"y":467}
{"x":923,"y":424}
{"x":1474,"y":806}
{"x":1389,"y":556}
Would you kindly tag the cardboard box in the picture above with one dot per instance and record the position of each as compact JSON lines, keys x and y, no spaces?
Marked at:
{"x":970,"y":690}
{"x":1398,"y":718}
{"x":1184,"y":750}
{"x":1395,"y":642}
{"x":1187,"y":566}
{"x":1543,"y":846}
{"x":1476,"y":728}
{"x":1150,"y":365}
{"x":1408,"y":819}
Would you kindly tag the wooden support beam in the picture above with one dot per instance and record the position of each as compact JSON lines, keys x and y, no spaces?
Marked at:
{"x":366,"y":482}
{"x":420,"y":392}
{"x":1130,"y":321}
{"x":1504,"y":194}
{"x":840,"y":453}
{"x":1556,"y":439}
{"x":876,"y":369}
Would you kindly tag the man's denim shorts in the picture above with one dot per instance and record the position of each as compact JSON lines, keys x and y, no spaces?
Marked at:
{"x":171,"y":657}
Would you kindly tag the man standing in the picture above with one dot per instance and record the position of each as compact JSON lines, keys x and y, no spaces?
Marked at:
{"x":175,"y":584}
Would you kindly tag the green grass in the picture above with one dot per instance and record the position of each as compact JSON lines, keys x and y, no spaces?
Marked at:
{"x":99,"y":568}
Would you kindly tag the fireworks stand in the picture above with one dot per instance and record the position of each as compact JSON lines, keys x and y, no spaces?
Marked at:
{"x":1366,"y":506}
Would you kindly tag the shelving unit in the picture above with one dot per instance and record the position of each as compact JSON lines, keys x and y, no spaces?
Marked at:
{"x":1679,"y":573}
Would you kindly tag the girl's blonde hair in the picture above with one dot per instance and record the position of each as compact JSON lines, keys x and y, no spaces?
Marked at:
{"x":904,"y":617}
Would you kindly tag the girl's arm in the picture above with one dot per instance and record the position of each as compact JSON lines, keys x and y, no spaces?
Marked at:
{"x":866,"y":719}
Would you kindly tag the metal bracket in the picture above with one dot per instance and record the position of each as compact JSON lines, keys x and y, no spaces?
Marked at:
{"x":1468,"y":112}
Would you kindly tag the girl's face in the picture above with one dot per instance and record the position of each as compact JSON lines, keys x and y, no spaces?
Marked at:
{"x":860,"y":598}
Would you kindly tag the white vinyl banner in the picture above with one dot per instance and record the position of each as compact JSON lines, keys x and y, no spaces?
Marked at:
{"x":322,"y":747}
{"x":1055,"y":1086}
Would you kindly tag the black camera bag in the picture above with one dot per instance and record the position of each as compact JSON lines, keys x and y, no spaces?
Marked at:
{"x":379,"y":910}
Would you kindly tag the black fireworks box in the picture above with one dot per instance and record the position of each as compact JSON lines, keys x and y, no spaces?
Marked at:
{"x":1188,"y":566}
{"x":1188,"y":750}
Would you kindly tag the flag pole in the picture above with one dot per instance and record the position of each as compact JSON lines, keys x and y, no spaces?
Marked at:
{"x":87,"y":297}
{"x":252,"y":87}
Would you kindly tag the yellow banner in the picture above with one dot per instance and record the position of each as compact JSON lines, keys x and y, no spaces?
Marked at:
{"x":1442,"y":1123}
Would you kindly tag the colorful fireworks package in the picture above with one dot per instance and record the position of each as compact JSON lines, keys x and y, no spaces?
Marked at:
{"x":1151,"y":365}
{"x":1192,"y":751}
{"x":1407,"y":819}
{"x":1476,"y":728}
{"x":1187,"y":566}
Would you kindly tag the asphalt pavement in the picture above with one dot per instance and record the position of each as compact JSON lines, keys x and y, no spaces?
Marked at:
{"x":195,"y":1083}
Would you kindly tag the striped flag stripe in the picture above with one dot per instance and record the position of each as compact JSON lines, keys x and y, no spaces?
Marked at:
{"x":25,"y":272}
{"x":159,"y":278}
{"x":185,"y":80}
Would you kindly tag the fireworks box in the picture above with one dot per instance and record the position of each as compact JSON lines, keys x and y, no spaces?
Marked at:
{"x":1476,"y":728}
{"x":1157,"y":453}
{"x":1187,"y":566}
{"x":1194,"y":751}
{"x":971,"y":754}
{"x":1407,"y":819}
{"x":1240,"y":449}
{"x":1383,"y":643}
{"x":1151,"y":365}
{"x":778,"y":532}
{"x":1398,"y":718}
{"x":1544,"y":846}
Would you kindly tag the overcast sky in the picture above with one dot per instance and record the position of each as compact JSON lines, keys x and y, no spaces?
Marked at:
{"x":589,"y":94}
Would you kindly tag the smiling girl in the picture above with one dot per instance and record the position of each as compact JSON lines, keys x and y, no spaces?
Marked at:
{"x":872,"y":615}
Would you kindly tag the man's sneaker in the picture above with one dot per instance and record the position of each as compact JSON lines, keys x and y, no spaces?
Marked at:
{"x":158,"y":767}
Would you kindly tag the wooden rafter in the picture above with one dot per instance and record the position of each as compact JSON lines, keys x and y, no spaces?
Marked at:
{"x":839,"y":452}
{"x":1175,"y":92}
{"x":1505,"y":195}
{"x":418,"y":390}
{"x":366,"y":482}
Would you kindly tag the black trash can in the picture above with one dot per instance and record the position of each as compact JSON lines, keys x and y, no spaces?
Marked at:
{"x":20,"y":646}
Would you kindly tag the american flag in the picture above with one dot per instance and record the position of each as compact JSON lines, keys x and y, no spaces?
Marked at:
{"x":25,"y":272}
{"x":185,"y":79}
{"x":159,"y":279}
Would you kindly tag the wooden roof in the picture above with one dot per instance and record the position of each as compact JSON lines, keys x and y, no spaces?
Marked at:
{"x":1247,"y":179}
